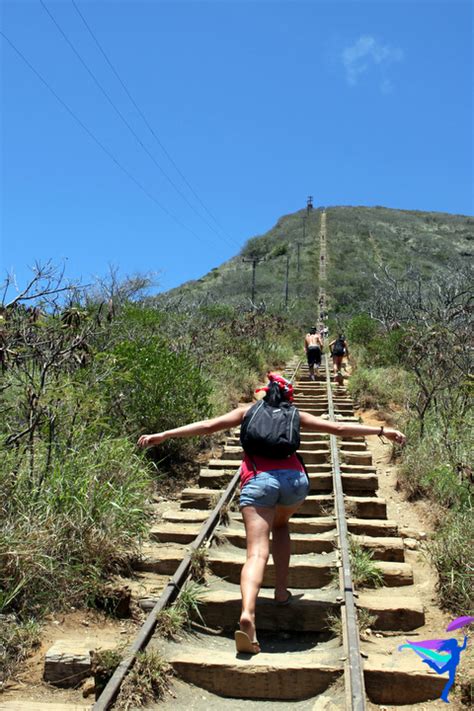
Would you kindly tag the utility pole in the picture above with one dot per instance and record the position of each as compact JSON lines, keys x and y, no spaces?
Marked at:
{"x":309,"y":203}
{"x":255,"y":261}
{"x":287,"y":278}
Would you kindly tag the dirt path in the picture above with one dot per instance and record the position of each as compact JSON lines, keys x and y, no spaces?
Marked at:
{"x":415,"y":518}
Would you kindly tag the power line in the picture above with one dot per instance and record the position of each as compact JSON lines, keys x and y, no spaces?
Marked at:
{"x":145,"y":120}
{"x":96,"y":140}
{"x":123,"y":119}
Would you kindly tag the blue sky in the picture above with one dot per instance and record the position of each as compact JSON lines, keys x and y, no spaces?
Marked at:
{"x":258,"y":103}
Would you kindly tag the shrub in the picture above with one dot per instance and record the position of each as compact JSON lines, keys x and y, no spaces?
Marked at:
{"x":385,"y":349}
{"x":151,"y":389}
{"x":361,"y":329}
{"x":452,"y":553}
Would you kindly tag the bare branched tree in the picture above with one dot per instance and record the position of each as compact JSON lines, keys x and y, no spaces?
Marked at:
{"x":116,"y":291}
{"x":436,"y":318}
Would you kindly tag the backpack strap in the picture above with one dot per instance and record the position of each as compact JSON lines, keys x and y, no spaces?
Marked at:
{"x":301,"y":461}
{"x":253,"y":465}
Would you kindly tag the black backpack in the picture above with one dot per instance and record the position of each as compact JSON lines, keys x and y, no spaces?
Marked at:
{"x":338,"y":348}
{"x":271,"y":431}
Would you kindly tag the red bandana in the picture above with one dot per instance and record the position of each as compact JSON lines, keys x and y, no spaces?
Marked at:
{"x":285,"y":386}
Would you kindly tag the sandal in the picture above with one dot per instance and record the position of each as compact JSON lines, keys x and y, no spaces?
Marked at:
{"x":282,"y":603}
{"x":244,"y":645}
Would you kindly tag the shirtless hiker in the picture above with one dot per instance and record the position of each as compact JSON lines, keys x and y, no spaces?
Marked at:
{"x":313,"y":346}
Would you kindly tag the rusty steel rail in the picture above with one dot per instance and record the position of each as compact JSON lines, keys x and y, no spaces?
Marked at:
{"x":353,"y":667}
{"x":292,"y":379}
{"x":169,"y":594}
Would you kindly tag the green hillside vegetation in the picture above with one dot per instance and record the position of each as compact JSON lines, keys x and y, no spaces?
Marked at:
{"x":231,"y":283}
{"x":360,"y":240}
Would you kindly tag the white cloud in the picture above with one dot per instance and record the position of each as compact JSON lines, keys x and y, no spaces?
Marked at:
{"x":366,"y":52}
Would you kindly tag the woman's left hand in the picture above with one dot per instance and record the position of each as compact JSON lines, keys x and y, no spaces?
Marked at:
{"x":150,"y":440}
{"x":395,"y":436}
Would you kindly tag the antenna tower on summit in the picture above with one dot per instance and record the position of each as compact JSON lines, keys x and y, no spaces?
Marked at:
{"x":309,"y":203}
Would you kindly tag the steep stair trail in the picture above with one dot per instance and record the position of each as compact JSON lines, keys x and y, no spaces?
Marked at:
{"x":322,"y":299}
{"x":311,"y":648}
{"x":301,"y":658}
{"x":306,"y":652}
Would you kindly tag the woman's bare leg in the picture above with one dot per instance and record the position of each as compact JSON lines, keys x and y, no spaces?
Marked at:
{"x":281,"y":549}
{"x":337,"y":363}
{"x":258,"y":524}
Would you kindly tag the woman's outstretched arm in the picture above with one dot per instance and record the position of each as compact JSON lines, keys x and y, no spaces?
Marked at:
{"x":203,"y":427}
{"x":347,"y":429}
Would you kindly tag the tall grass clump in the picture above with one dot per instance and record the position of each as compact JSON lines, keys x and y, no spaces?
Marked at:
{"x":429,"y":470}
{"x":17,"y":639}
{"x":149,"y":680}
{"x":380,"y":388}
{"x":452,"y":553}
{"x":171,"y":621}
{"x":365,"y":572}
{"x":59,"y":541}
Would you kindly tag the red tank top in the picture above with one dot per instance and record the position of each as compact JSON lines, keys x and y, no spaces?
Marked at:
{"x":262,"y":464}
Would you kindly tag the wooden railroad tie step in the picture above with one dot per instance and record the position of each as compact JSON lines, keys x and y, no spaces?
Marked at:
{"x":193,"y":498}
{"x":393,"y":612}
{"x":317,"y":453}
{"x":372,"y":527}
{"x":366,"y":507}
{"x":264,"y":676}
{"x":209,"y":478}
{"x":308,"y":570}
{"x":382,"y":548}
{"x":358,"y":506}
{"x":230,"y":466}
{"x":400,"y":679}
{"x":235,"y":535}
{"x":389,"y":679}
{"x":349,"y":446}
{"x":307,"y":612}
{"x":360,"y":526}
{"x":350,"y":457}
{"x":314,"y":505}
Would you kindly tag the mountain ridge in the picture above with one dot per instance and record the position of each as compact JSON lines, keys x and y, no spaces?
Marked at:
{"x":360,"y":239}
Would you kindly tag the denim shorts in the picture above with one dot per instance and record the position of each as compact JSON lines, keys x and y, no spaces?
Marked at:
{"x":280,"y":487}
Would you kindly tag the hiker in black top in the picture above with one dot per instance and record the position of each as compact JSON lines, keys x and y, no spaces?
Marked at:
{"x":339,"y":349}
